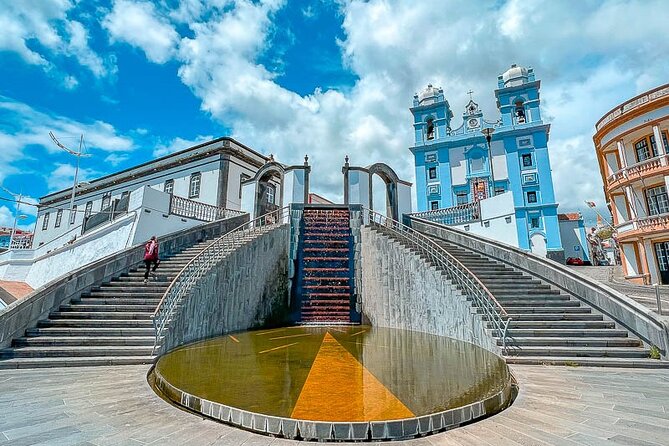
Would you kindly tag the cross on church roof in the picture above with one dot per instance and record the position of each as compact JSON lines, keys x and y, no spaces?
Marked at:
{"x":470,"y":92}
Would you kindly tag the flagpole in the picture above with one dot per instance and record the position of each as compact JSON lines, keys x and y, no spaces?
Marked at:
{"x":591,"y":205}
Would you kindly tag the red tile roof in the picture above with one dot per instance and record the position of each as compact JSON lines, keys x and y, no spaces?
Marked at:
{"x":571,"y":216}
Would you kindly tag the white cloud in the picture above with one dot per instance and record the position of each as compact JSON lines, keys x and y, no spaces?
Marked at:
{"x":114,"y":159}
{"x":139,"y":24}
{"x":179,"y":144}
{"x":62,"y":177}
{"x":46,"y":22}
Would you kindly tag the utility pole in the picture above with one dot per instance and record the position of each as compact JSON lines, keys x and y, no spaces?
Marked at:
{"x":18,"y":197}
{"x":78,"y":154}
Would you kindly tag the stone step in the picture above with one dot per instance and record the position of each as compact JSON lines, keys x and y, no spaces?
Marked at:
{"x":116,"y":315}
{"x":564,"y":332}
{"x":137,"y":278}
{"x":615,"y":352}
{"x":561,"y":324}
{"x":151,"y":287}
{"x":576,"y":342}
{"x":515,"y":316}
{"x":90,"y":332}
{"x":527,"y":292}
{"x":51,"y":362}
{"x":78,"y":351}
{"x":92,"y":341}
{"x":589,"y":362}
{"x":547,"y":310}
{"x":509,"y":303}
{"x":116,"y":323}
{"x":85,"y":308}
{"x":144,"y":294}
{"x":125,"y":300}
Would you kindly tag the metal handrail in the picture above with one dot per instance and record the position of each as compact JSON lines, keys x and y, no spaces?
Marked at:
{"x":458,"y":273}
{"x":202,"y":263}
{"x":184,"y":207}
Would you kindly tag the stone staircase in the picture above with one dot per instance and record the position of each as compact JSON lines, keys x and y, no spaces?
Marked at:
{"x":111,"y":325}
{"x":325,"y":268}
{"x":549,"y":326}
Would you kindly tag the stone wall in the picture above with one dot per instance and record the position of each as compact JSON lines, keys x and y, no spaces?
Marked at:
{"x":246,"y":289}
{"x":644,"y":323}
{"x":400,"y":290}
{"x":25,"y":313}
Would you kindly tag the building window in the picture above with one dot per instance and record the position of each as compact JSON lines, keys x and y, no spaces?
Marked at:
{"x":520,"y":113}
{"x":106,"y":200}
{"x":59,"y":218}
{"x":532,"y":197}
{"x":430,"y":128}
{"x":432,"y":173}
{"x":45,"y":222}
{"x":529,"y":178}
{"x":657,"y":200}
{"x":433,"y":190}
{"x":434,"y":205}
{"x":168,"y":187}
{"x":499,"y":190}
{"x":527,"y":160}
{"x":271,"y":193}
{"x":73,"y":214}
{"x":125,"y":195}
{"x":461,"y":198}
{"x":243,"y":177}
{"x":194,"y":188}
{"x":534,"y":222}
{"x":476,"y":164}
{"x":88,"y":210}
{"x":645,"y":148}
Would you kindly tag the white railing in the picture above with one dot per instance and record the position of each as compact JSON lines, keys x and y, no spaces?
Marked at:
{"x":202,"y":263}
{"x":184,"y":207}
{"x":633,"y":103}
{"x":458,"y":273}
{"x":22,"y":242}
{"x":639,"y":168}
{"x":455,"y":215}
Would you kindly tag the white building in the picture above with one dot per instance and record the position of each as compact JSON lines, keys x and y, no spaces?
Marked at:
{"x":209,"y":173}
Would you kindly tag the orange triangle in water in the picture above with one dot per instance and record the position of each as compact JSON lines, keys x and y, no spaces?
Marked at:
{"x":339,"y":388}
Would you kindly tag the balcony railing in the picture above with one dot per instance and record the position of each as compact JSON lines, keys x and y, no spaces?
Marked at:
{"x":456,"y":215}
{"x":633,"y":103}
{"x":199,"y":211}
{"x":639,"y":169}
{"x":644,"y":224}
{"x":22,"y":242}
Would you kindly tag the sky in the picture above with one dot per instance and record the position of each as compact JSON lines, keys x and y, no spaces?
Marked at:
{"x":142,"y":79}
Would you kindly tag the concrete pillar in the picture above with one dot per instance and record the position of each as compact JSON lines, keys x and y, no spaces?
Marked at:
{"x":644,"y":264}
{"x":631,"y":201}
{"x":659,"y":143}
{"x":621,"y":154}
{"x":650,"y":262}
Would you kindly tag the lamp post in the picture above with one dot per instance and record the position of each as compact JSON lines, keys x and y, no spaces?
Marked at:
{"x":487,"y":132}
{"x":78,"y":154}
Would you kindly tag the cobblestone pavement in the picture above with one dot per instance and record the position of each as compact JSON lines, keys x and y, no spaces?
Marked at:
{"x":116,"y":406}
{"x":613,"y":277}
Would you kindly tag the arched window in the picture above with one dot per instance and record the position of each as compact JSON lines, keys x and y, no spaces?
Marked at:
{"x":430,"y":128}
{"x":520,"y":112}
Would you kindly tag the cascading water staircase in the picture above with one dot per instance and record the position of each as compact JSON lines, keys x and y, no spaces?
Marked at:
{"x":324,"y":291}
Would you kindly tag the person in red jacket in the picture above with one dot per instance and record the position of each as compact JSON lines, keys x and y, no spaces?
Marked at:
{"x":151,"y":257}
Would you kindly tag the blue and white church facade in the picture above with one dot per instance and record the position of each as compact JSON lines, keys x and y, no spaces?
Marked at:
{"x":458,"y":165}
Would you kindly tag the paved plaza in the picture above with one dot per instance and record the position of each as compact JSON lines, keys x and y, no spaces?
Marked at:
{"x":116,"y":406}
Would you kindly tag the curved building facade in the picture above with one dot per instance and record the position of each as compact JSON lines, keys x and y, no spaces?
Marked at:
{"x":632,"y":148}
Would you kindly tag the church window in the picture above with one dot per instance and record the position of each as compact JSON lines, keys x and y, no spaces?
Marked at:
{"x":520,"y":113}
{"x":432,"y":173}
{"x":45,"y":222}
{"x":434,"y":205}
{"x":527,"y":160}
{"x":476,"y":164}
{"x":106,"y":200}
{"x":461,"y":198}
{"x":534,"y":222}
{"x":194,"y":188}
{"x":657,"y":200}
{"x":59,"y":217}
{"x":271,"y":193}
{"x":532,"y":197}
{"x":433,"y":190}
{"x":169,"y":187}
{"x":430,"y":128}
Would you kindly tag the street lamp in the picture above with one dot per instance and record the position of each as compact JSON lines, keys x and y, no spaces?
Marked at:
{"x":78,"y":154}
{"x":487,"y":132}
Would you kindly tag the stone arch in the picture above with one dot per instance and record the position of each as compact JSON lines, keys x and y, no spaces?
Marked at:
{"x":261,"y":180}
{"x":390,"y":178}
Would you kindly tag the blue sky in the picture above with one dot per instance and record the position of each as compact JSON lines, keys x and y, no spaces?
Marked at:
{"x":141,"y":79}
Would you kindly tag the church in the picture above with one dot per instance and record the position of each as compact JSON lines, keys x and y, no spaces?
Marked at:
{"x":499,"y":164}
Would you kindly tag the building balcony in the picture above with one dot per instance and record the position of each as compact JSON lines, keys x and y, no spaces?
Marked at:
{"x":643,"y":226}
{"x":658,"y":165}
